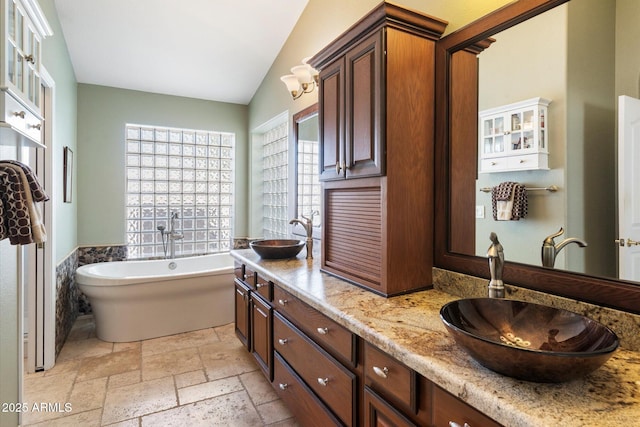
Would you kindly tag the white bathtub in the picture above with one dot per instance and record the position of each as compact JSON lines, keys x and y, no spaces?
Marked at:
{"x":137,"y":300}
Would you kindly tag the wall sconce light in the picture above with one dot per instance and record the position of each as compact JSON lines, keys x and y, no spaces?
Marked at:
{"x":303,"y":80}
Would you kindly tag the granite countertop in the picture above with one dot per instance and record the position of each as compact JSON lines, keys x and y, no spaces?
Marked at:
{"x":409,"y":328}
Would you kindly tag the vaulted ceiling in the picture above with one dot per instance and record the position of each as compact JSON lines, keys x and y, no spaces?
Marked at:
{"x":209,"y":49}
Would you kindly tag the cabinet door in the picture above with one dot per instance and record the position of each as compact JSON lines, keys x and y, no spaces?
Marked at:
{"x":379,"y":413}
{"x":261,"y":334}
{"x":331,"y":117}
{"x":242,"y":313}
{"x":447,"y":408}
{"x":364,"y":138}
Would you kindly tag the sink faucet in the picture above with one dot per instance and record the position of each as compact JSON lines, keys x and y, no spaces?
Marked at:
{"x":550,"y":250}
{"x":495,"y":253}
{"x":308,"y":228}
{"x":173,"y":235}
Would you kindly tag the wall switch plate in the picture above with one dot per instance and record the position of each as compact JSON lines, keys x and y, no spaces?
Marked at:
{"x":480,"y":211}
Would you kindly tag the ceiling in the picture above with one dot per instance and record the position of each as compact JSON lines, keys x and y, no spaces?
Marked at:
{"x":208,"y":49}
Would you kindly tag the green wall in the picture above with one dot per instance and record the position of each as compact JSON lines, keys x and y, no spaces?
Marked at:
{"x":102,"y":115}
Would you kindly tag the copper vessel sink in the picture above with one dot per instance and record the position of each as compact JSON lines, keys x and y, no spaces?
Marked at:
{"x":528,"y":341}
{"x":277,"y":248}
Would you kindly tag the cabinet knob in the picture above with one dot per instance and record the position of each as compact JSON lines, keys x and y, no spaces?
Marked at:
{"x":382,"y":373}
{"x":282,"y":301}
{"x":323,"y":331}
{"x":455,"y":424}
{"x":30,"y":59}
{"x":259,"y":285}
{"x":282,"y":341}
{"x":338,"y":168}
{"x":283,"y":386}
{"x":323,"y":381}
{"x":38,"y":126}
{"x":20,"y":114}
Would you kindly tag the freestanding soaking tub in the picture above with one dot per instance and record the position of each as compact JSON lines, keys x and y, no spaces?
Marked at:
{"x":137,"y":300}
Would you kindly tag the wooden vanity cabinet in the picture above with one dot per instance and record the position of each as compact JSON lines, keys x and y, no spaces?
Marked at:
{"x":323,"y":353}
{"x":376,"y":115}
{"x":254,"y":316}
{"x":242,"y":313}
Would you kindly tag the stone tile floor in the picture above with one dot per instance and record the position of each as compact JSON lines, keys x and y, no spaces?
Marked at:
{"x":200,"y":378}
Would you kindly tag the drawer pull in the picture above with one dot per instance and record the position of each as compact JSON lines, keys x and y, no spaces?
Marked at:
{"x":282,"y":301}
{"x":283,"y":341}
{"x":38,"y":126}
{"x":323,"y":331}
{"x":285,"y":385}
{"x":20,"y":114}
{"x":382,"y":373}
{"x":455,"y":424}
{"x":323,"y":381}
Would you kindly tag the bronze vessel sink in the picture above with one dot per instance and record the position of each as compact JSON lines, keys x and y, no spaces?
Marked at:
{"x":277,"y":248}
{"x":528,"y":341}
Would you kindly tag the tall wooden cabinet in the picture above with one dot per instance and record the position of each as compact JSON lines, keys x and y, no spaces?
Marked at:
{"x":376,"y":132}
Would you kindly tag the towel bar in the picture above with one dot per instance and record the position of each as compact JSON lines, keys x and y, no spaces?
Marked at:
{"x":551,"y":189}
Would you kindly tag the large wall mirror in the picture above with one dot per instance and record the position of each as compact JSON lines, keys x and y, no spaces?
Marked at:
{"x":581,"y":55}
{"x":308,"y":193}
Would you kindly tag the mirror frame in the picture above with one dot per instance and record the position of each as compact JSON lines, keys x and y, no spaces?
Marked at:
{"x":473,"y":38}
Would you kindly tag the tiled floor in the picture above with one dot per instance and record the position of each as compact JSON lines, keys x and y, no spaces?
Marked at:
{"x":200,"y":378}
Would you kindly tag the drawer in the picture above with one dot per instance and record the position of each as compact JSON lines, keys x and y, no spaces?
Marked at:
{"x":390,"y":378}
{"x":249,"y":277}
{"x":264,"y":287}
{"x":495,"y":164}
{"x":527,"y":162}
{"x":21,"y":118}
{"x":448,"y":408}
{"x":306,"y":407}
{"x":330,"y":381}
{"x":335,"y":339}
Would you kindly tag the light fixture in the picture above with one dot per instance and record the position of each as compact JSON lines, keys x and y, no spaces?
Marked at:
{"x":303,"y":80}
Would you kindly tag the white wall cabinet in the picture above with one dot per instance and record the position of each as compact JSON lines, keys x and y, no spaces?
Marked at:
{"x":24,"y":27}
{"x":514,"y":137}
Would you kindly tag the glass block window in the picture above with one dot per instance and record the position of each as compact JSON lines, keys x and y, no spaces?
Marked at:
{"x":275,"y":181}
{"x":188,"y":172}
{"x":308,"y":182}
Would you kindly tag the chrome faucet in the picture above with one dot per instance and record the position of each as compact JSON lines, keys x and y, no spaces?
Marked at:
{"x":550,"y":250}
{"x":308,"y":228}
{"x":495,"y":253}
{"x":173,"y":235}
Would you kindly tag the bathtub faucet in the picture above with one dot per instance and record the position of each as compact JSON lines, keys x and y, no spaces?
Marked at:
{"x":173,"y":235}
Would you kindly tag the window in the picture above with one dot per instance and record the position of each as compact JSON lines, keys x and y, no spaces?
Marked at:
{"x":188,"y":172}
{"x":275,"y":181}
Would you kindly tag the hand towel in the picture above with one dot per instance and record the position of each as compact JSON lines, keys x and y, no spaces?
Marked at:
{"x":509,"y":201}
{"x":16,"y":213}
{"x":20,"y":217}
{"x":35,"y":217}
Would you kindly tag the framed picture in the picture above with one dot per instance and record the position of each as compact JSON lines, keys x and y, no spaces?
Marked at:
{"x":68,"y":174}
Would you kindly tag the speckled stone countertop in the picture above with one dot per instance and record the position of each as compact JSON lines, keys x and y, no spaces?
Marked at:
{"x":409,"y":328}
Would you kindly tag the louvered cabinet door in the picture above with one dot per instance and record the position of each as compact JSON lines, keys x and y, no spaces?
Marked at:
{"x":353,"y":234}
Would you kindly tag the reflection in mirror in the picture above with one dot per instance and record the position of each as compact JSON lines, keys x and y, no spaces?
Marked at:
{"x":576,"y":54}
{"x":577,"y":72}
{"x":306,"y":136}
